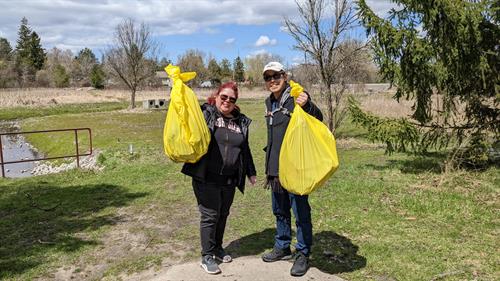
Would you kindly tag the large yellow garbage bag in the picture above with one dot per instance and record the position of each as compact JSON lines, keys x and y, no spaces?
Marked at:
{"x":186,"y":135}
{"x":308,"y":155}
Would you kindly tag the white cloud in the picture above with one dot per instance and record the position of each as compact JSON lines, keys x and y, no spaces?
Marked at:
{"x":264,"y":40}
{"x":90,"y":23}
{"x":230,"y":41}
{"x":380,"y":7}
{"x":283,"y":29}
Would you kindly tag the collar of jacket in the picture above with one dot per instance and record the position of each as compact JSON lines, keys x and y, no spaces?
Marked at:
{"x":271,"y":96}
{"x":212,"y":113}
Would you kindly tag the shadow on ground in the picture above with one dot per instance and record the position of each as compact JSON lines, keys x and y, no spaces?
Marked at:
{"x":332,"y":253}
{"x":253,"y":244}
{"x":40,"y":219}
{"x":431,"y":163}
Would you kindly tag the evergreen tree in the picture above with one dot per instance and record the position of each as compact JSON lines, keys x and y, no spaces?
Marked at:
{"x":225,"y":69}
{"x":162,"y":64}
{"x":443,"y":55}
{"x":30,"y":56}
{"x":86,"y":55}
{"x":97,"y":77}
{"x":36,"y":52}
{"x":83,"y":65}
{"x":214,"y":72}
{"x":5,"y":50}
{"x":6,"y":64}
{"x":23,"y":41}
{"x":239,"y":70}
{"x":60,"y":76}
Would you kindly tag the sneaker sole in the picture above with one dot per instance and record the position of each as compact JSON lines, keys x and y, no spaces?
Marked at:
{"x":207,"y":271}
{"x":298,"y":275}
{"x":284,"y":258}
{"x":222,"y":260}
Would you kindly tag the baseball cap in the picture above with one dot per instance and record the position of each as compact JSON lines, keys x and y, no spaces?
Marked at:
{"x":274,"y":66}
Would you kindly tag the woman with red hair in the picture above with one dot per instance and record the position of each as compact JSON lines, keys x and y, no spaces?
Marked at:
{"x":224,"y":167}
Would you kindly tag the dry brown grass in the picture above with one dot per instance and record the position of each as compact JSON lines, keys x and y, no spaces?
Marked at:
{"x":380,"y":104}
{"x":50,"y":96}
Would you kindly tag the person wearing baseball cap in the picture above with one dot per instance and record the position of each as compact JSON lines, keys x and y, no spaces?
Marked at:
{"x":279,"y":107}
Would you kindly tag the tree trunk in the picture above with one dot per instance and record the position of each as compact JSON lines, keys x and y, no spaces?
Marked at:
{"x":132,"y":99}
{"x":329,"y":107}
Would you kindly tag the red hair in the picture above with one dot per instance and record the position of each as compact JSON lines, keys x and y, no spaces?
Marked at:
{"x":228,"y":85}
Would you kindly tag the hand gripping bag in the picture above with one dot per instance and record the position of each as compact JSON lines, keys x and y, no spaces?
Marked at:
{"x":186,"y":135}
{"x":308,"y":155}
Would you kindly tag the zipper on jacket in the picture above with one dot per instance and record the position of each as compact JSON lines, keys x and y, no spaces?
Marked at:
{"x":225,"y":147}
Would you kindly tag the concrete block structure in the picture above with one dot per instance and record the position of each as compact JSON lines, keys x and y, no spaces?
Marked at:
{"x":154,"y":104}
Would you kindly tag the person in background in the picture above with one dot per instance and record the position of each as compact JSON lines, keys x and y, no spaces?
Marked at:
{"x":279,"y":107}
{"x":224,"y":167}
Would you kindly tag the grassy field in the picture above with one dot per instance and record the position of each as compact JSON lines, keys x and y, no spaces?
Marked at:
{"x":379,"y":217}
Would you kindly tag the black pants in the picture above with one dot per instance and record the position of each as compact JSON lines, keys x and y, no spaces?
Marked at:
{"x":214,"y":202}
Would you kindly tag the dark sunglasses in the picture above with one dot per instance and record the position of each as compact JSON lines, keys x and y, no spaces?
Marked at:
{"x":276,"y":76}
{"x":225,"y":97}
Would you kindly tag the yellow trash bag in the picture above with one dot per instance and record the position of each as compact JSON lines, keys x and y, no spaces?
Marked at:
{"x":186,"y":135}
{"x":308,"y":155}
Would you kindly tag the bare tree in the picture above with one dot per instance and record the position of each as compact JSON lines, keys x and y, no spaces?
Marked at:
{"x":131,"y":59}
{"x":255,"y":64}
{"x":320,"y":33}
{"x":193,"y":60}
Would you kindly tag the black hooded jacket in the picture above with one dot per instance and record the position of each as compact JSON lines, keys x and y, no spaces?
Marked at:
{"x":277,"y":124}
{"x":242,"y":155}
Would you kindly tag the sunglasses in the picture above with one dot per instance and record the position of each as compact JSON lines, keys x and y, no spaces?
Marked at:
{"x":276,"y":76}
{"x":225,"y":98}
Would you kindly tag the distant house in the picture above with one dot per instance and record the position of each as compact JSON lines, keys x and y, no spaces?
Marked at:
{"x":206,"y":84}
{"x":165,"y":81}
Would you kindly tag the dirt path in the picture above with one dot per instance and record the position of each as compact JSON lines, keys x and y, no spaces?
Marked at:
{"x":248,"y":268}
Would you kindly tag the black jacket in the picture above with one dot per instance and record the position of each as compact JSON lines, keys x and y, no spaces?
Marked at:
{"x":277,"y":124}
{"x":199,"y":170}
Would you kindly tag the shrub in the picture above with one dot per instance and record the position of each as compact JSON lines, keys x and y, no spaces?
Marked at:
{"x":97,"y":77}
{"x":60,"y":76}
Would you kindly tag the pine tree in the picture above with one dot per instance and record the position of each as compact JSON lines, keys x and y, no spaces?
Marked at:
{"x":226,"y":71}
{"x":5,"y":50}
{"x":23,"y":41}
{"x":36,"y":52}
{"x":83,"y":65}
{"x":239,"y":70}
{"x":30,"y":56}
{"x":443,"y":55}
{"x":214,"y":72}
{"x":97,"y":77}
{"x":6,"y":63}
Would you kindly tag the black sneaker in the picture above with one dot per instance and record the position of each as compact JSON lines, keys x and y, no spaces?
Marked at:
{"x":300,"y":265}
{"x":209,"y":265}
{"x":277,"y":255}
{"x":222,"y":256}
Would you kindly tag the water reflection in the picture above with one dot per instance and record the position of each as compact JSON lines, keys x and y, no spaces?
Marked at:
{"x":16,"y":148}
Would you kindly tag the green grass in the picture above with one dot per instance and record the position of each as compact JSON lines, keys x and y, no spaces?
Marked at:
{"x":27,"y":112}
{"x":378,"y":218}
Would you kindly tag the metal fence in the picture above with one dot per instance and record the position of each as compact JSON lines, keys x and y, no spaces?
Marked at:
{"x":77,"y":149}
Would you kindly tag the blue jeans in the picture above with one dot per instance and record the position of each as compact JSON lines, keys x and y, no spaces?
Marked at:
{"x":282,"y":202}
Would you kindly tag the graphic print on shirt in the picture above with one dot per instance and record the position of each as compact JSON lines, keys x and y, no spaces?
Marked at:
{"x":232,"y":126}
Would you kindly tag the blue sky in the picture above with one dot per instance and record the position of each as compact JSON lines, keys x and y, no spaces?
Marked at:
{"x":220,"y":28}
